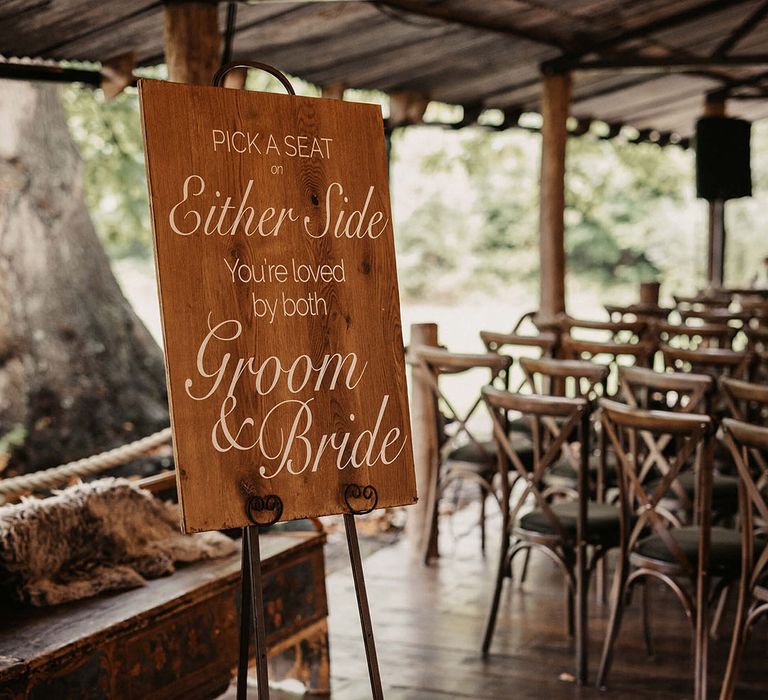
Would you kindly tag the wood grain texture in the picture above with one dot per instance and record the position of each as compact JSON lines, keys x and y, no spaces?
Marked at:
{"x":218,"y":437}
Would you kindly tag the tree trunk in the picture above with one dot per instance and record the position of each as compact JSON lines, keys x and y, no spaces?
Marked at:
{"x":79,"y":372}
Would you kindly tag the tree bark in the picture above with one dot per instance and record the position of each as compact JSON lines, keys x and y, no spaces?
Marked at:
{"x":79,"y":372}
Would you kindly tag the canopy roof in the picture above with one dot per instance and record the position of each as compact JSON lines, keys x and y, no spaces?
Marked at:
{"x":474,"y":53}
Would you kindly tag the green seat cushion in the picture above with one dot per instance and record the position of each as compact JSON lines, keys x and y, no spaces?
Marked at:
{"x":724,"y":551}
{"x":725,"y":490}
{"x":603,"y":521}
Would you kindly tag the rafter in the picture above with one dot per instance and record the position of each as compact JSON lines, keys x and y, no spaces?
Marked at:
{"x":453,"y":14}
{"x":742,"y":31}
{"x":569,"y":60}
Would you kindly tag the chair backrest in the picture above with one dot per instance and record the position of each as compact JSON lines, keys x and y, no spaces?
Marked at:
{"x":691,"y":433}
{"x":610,"y":354}
{"x":659,"y":391}
{"x":437,"y":362}
{"x":745,"y":401}
{"x":704,"y":335}
{"x":716,"y":362}
{"x":495,"y":341}
{"x":637,"y":312}
{"x":615,"y":331}
{"x":666,"y":391}
{"x":571,"y":378}
{"x":715,"y":315}
{"x":706,"y":301}
{"x":746,"y":443}
{"x":556,"y":424}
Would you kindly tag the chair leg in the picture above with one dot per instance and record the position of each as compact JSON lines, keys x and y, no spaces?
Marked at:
{"x":524,"y":572}
{"x":483,"y":498}
{"x":738,"y":639}
{"x":717,"y":618}
{"x":601,"y":590}
{"x":570,"y":603}
{"x":647,"y":618}
{"x":429,"y":543}
{"x":701,"y":641}
{"x":614,"y":623}
{"x":582,"y":614}
{"x":504,"y":566}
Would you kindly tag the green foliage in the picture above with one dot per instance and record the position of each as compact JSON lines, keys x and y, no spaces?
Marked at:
{"x":466,"y":203}
{"x":109,"y":137}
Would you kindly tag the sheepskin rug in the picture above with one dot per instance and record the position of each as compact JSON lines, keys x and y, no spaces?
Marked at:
{"x":105,"y":535}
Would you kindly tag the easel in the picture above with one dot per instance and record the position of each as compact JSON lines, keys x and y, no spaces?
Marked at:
{"x":252,"y":603}
{"x":264,"y":511}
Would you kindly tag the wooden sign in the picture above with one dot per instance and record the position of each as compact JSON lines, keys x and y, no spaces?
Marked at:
{"x":281,"y":317}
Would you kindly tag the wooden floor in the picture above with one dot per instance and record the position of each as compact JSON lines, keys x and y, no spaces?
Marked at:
{"x":428,"y":624}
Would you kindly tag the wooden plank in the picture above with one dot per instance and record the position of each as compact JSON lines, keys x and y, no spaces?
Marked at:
{"x":175,"y":637}
{"x":192,"y":41}
{"x":297,"y":306}
{"x":429,"y":624}
{"x":425,"y":447}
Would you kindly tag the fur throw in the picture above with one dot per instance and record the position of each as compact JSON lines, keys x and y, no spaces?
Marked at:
{"x":105,"y":535}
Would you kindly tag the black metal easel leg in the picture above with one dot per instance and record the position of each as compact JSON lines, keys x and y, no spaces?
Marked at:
{"x":362,"y":604}
{"x":252,"y":611}
{"x":245,"y":622}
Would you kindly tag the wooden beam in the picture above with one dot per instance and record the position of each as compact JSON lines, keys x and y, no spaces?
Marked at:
{"x":456,"y":15}
{"x":690,"y":14}
{"x":117,"y":74}
{"x":192,"y":42}
{"x":555,"y":103}
{"x":670,"y":62}
{"x":744,"y":29}
{"x":334,"y":91}
{"x":425,"y":447}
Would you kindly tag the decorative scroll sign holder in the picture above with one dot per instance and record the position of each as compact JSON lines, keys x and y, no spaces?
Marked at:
{"x":264,"y":511}
{"x":212,"y":475}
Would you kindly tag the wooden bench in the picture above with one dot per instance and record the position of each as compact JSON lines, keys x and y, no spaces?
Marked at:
{"x":177,"y":637}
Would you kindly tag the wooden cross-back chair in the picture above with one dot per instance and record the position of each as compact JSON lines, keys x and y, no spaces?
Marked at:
{"x":747,"y":442}
{"x":716,"y":362}
{"x":572,"y":379}
{"x":748,"y":402}
{"x":652,"y":546}
{"x":461,"y":454}
{"x":558,"y":525}
{"x":678,"y":392}
{"x":544,"y":341}
{"x":610,"y":354}
{"x":693,"y":337}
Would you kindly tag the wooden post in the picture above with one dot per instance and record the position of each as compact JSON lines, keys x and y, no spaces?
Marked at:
{"x":715,"y":107}
{"x":192,"y":41}
{"x":423,"y":421}
{"x":555,"y":99}
{"x":236,"y":78}
{"x":334,"y":91}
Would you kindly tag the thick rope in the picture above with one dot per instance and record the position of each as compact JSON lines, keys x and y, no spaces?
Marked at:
{"x":57,"y":476}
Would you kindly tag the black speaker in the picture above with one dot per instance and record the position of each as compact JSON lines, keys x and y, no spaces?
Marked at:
{"x":722,"y":158}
